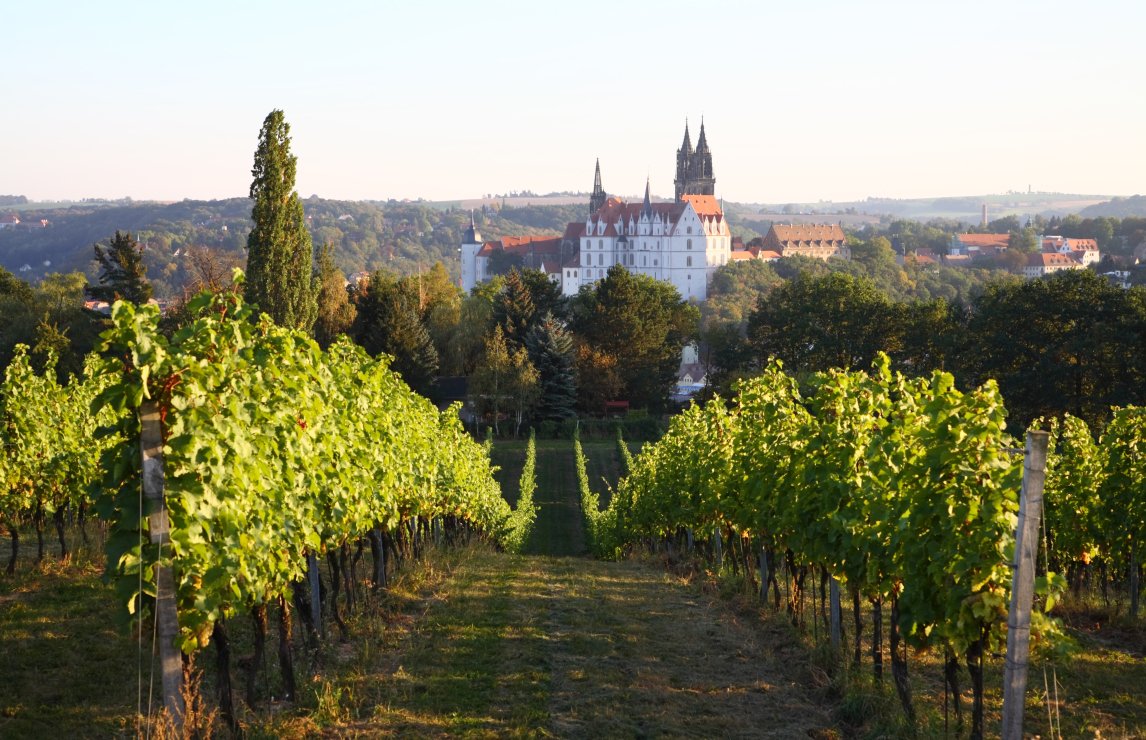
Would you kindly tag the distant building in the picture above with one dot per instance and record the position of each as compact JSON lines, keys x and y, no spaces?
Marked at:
{"x":1083,"y":250}
{"x":820,"y":241}
{"x":682,"y":242}
{"x":1047,"y":263}
{"x":975,"y":245}
{"x":9,"y":221}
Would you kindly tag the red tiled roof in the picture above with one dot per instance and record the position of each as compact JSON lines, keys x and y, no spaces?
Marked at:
{"x":768,"y":255}
{"x":809,"y":232}
{"x":739,"y":255}
{"x":984,"y":240}
{"x":704,"y":205}
{"x":1050,"y":259}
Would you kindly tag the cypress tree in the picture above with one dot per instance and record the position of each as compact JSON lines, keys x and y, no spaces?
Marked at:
{"x":280,"y":256}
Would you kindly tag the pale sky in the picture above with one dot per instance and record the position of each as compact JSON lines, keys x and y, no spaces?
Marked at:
{"x":803,"y":100}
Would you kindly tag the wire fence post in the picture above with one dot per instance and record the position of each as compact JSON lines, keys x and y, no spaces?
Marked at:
{"x":1023,"y":587}
{"x":158,"y":526}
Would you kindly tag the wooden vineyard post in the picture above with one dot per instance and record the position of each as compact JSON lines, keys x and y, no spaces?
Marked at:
{"x":166,"y":616}
{"x":834,"y":612}
{"x":1022,"y":590}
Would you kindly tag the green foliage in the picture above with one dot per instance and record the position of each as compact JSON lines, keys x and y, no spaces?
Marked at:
{"x":904,"y":489}
{"x":51,"y":452}
{"x":274,"y":449}
{"x":637,"y":325}
{"x":122,"y":274}
{"x":389,"y":322}
{"x":519,"y":525}
{"x":335,"y":312}
{"x":279,"y":252}
{"x":550,"y":348}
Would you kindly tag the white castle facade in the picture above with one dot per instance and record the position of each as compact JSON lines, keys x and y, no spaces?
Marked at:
{"x":682,"y":242}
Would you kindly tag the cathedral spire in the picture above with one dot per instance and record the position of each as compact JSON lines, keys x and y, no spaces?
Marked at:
{"x":597,"y":198}
{"x":686,"y":145}
{"x":647,"y":209}
{"x":701,"y":142}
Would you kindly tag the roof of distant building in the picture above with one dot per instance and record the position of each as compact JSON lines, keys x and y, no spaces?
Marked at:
{"x":984,"y":240}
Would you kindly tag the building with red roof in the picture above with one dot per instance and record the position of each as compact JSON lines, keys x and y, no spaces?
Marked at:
{"x":681,"y":242}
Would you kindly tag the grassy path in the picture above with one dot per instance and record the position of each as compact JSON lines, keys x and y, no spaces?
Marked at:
{"x":577,"y":648}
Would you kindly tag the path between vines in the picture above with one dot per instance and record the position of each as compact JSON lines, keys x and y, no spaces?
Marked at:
{"x":572,"y":647}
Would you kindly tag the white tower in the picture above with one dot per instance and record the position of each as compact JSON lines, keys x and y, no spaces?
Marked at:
{"x":471,"y":245}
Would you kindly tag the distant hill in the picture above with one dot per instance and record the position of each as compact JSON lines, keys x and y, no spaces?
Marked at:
{"x":403,"y":237}
{"x":1135,"y":206}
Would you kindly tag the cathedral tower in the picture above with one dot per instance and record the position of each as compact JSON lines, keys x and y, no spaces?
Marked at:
{"x":694,"y":167}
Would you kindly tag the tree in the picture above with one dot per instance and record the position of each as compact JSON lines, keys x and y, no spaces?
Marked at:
{"x":122,"y":274}
{"x":388,"y":322}
{"x":1070,"y":342}
{"x":505,"y":381}
{"x":514,"y":310}
{"x":279,"y":251}
{"x":550,"y":348}
{"x":818,"y":323}
{"x":642,"y":324}
{"x":335,"y":312}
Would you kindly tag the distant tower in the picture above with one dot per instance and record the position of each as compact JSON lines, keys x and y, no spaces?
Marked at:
{"x":471,"y":245}
{"x":702,"y":181}
{"x":647,"y":207}
{"x":683,"y":160}
{"x":597,"y":199}
{"x":984,"y":215}
{"x":694,"y":168}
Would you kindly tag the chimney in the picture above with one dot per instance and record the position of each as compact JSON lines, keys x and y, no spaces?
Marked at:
{"x":984,"y":215}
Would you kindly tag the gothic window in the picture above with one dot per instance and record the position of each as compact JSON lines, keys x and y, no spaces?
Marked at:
{"x":688,"y":244}
{"x":600,"y":259}
{"x":600,"y":244}
{"x":688,"y":263}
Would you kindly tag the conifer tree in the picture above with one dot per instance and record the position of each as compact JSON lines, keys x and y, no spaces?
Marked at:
{"x":280,"y":256}
{"x":551,"y":349}
{"x":122,"y":274}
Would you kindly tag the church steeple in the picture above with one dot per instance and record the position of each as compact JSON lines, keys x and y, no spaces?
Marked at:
{"x":471,"y":236}
{"x":647,"y":208}
{"x":597,"y":198}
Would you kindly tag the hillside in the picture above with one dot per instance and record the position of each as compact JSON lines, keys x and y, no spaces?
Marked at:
{"x":1134,"y":206}
{"x":399,"y":236}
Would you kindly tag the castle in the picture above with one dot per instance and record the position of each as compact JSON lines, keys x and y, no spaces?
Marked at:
{"x":682,"y":242}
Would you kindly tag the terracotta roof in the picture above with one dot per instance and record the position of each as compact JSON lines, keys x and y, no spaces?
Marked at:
{"x":531,"y":244}
{"x":1050,"y":259}
{"x":1076,"y":245}
{"x":808,"y":232}
{"x":768,"y":255}
{"x":739,"y":255}
{"x":984,"y":240}
{"x":704,"y":205}
{"x":920,"y":259}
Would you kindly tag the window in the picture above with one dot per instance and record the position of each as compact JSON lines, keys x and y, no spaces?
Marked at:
{"x":688,"y":261}
{"x":600,"y":244}
{"x":690,"y":229}
{"x":688,"y":244}
{"x":600,"y":259}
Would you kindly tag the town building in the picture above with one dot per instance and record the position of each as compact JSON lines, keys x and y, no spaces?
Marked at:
{"x":1042,"y":264}
{"x":1085,"y":251}
{"x":819,"y":241}
{"x":682,"y":242}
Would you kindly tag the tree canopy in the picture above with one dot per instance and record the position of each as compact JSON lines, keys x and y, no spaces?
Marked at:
{"x":280,"y":255}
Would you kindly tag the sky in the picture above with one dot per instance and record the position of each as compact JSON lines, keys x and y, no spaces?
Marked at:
{"x":803,"y":100}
